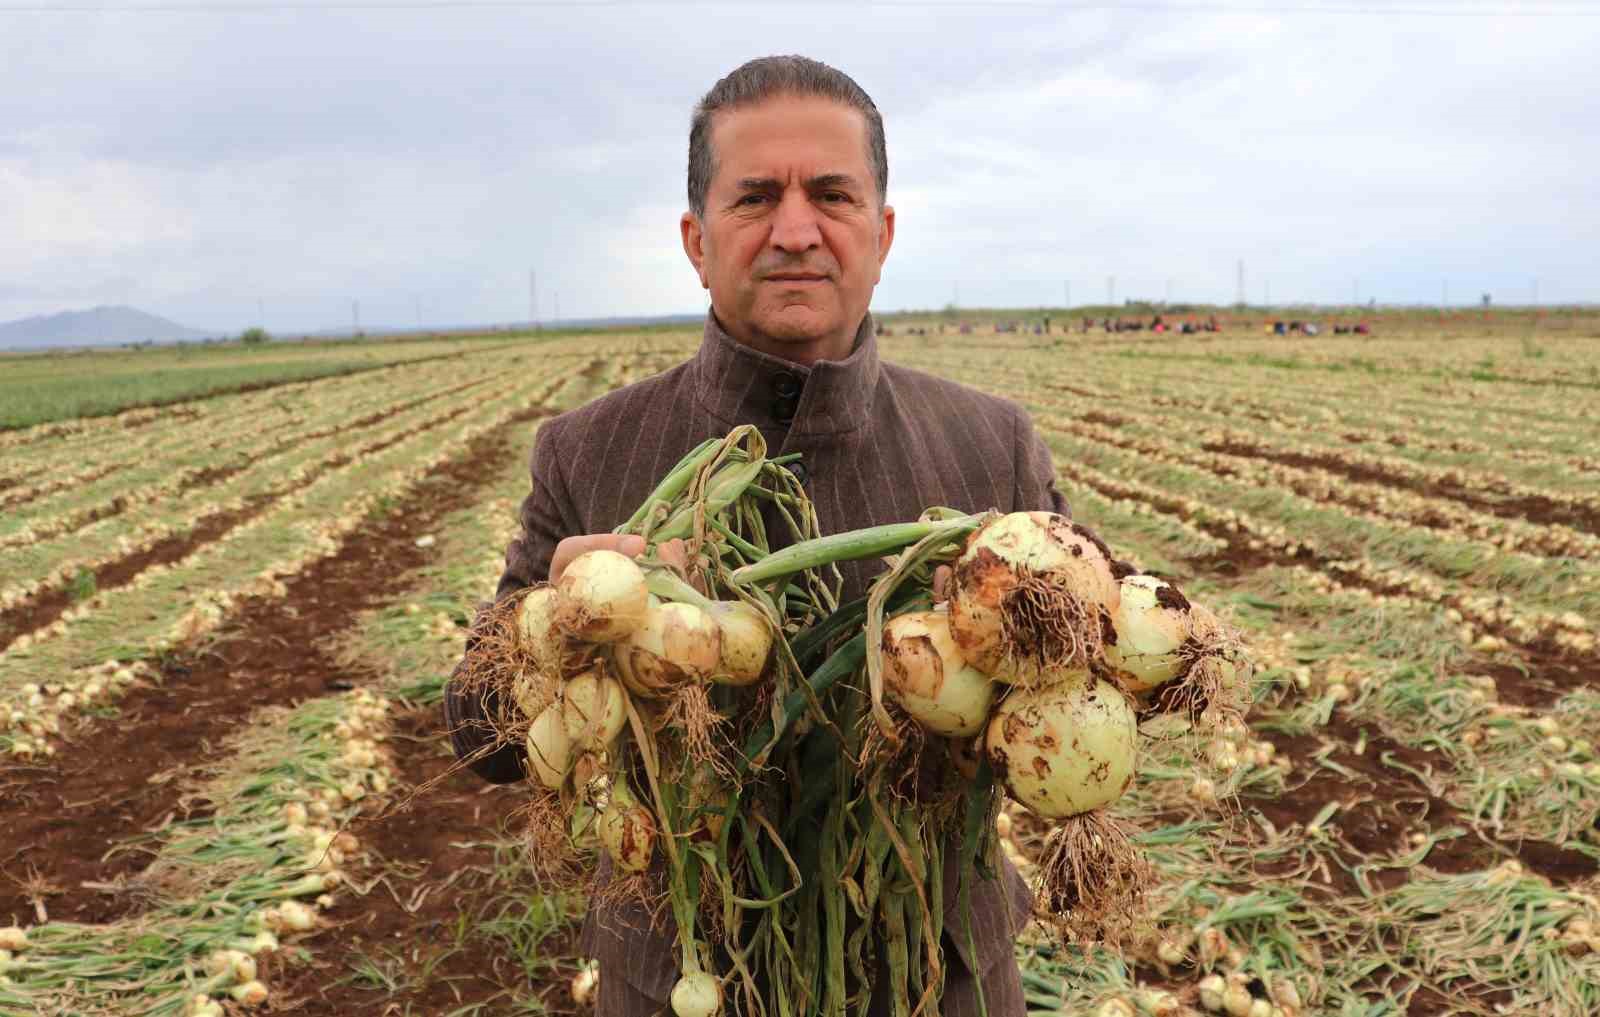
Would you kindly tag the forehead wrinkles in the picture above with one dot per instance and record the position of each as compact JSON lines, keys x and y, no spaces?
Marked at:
{"x":862,"y":154}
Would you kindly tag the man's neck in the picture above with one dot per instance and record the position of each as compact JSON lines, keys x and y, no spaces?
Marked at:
{"x":804,"y":352}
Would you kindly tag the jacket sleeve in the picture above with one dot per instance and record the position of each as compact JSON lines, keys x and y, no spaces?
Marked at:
{"x":547,"y":515}
{"x":1035,"y":472}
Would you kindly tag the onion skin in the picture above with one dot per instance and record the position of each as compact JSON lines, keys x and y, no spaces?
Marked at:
{"x":746,"y":644}
{"x":549,"y":748}
{"x":601,"y":597}
{"x":1151,"y":624}
{"x":1066,"y":748}
{"x":677,"y":643}
{"x":627,"y":830}
{"x":925,"y":674}
{"x":1061,"y":566}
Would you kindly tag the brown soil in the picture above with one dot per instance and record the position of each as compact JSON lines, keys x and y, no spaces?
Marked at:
{"x":1535,"y":509}
{"x":49,"y":604}
{"x":1378,"y":813}
{"x":115,"y":780}
{"x":439,"y":840}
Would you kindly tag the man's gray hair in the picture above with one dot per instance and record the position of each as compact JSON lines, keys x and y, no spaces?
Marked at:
{"x":768,"y":78}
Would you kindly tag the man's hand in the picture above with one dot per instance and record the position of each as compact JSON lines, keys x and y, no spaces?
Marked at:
{"x":629,"y":544}
{"x":673,"y":552}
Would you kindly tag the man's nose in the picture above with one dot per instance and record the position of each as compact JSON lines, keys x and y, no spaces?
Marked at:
{"x":794,"y":227}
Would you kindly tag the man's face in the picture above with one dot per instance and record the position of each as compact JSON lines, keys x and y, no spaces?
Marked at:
{"x":793,"y":237}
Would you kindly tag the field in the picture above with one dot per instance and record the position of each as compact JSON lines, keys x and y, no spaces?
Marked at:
{"x":225,"y":623}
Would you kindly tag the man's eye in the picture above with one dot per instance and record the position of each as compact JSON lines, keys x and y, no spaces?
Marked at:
{"x":752,"y":199}
{"x":835,"y":196}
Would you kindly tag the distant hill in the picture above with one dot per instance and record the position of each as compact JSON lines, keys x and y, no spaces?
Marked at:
{"x":101,"y":326}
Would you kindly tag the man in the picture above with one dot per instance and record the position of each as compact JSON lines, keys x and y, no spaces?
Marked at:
{"x":788,"y":228}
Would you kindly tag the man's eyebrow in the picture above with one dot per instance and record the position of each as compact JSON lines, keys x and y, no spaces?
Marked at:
{"x":814,"y":183}
{"x":832,"y":180}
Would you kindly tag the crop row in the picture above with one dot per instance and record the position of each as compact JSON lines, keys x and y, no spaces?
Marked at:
{"x":1326,"y":414}
{"x":1326,"y":418}
{"x":1223,"y":456}
{"x":171,"y":517}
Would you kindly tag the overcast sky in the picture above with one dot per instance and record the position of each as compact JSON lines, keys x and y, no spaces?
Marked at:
{"x":193,"y":163}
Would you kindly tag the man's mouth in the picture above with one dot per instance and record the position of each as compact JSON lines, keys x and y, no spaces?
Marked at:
{"x":796,"y":277}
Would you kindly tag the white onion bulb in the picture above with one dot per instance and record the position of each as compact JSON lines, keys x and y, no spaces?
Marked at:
{"x":697,"y":994}
{"x":675,"y":643}
{"x":602,"y":597}
{"x":593,"y":711}
{"x":1017,"y":567}
{"x":746,"y":643}
{"x":925,"y":674}
{"x":549,"y":747}
{"x":1151,"y":623}
{"x":1065,"y":748}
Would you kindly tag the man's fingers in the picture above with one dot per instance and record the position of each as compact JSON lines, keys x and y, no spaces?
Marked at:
{"x":630,"y":544}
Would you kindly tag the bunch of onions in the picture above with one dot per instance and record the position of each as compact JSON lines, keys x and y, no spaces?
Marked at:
{"x":1033,"y":593}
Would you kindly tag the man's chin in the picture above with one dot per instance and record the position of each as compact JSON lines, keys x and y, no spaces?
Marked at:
{"x":793,"y":326}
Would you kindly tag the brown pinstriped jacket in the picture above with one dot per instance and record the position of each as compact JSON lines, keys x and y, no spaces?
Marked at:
{"x":880,"y":443}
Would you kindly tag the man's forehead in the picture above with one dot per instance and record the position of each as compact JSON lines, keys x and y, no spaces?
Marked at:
{"x":786,"y":135}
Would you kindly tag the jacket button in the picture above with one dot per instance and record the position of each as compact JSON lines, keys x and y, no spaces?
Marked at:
{"x":783,"y":409}
{"x":799,"y":471}
{"x":786,"y":385}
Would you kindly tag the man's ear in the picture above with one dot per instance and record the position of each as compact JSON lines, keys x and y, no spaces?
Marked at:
{"x":693,"y":245}
{"x":885,"y":236}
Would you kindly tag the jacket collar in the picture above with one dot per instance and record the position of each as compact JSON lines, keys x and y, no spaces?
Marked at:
{"x":739,"y":385}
